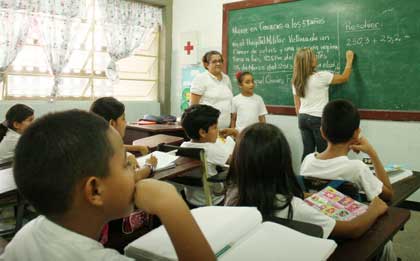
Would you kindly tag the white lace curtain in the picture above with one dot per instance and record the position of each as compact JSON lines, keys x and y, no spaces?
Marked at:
{"x":14,"y":25}
{"x":127,"y":24}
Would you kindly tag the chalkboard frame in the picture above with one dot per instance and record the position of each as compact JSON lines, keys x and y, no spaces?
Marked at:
{"x":290,"y":110}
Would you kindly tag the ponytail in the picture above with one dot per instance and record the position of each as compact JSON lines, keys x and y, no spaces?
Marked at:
{"x":3,"y":130}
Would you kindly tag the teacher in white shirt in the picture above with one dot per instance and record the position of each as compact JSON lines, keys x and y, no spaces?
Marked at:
{"x":214,"y":88}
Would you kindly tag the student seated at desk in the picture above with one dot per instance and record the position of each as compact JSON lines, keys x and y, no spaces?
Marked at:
{"x":261,"y":175}
{"x":77,"y":192}
{"x":18,"y":118}
{"x":113,"y":111}
{"x":200,"y":124}
{"x":340,"y":127}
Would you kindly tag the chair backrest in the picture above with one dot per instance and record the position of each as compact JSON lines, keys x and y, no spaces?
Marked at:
{"x":195,"y":153}
{"x":346,"y":187}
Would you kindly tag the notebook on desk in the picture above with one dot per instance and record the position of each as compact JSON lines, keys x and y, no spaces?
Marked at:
{"x":237,"y":233}
{"x":7,"y":181}
{"x":165,"y":160}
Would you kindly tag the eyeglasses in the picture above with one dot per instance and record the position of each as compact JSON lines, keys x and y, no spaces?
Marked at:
{"x":216,"y":61}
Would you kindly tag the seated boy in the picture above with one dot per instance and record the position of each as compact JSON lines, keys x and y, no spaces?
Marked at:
{"x":340,"y":127}
{"x":78,"y":190}
{"x":200,"y":124}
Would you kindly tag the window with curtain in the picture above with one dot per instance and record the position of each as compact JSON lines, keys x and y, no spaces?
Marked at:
{"x":89,"y":49}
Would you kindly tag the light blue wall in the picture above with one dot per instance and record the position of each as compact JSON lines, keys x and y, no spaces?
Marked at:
{"x":133,"y":109}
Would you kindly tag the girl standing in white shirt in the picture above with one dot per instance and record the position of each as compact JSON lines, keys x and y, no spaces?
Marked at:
{"x":18,"y":118}
{"x":214,"y":88}
{"x":310,"y":91}
{"x":247,"y":107}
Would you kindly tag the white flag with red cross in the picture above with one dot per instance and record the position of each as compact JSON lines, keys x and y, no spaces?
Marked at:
{"x":189,"y":48}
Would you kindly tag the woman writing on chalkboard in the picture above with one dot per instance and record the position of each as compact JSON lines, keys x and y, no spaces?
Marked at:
{"x":213,"y":88}
{"x":310,"y":91}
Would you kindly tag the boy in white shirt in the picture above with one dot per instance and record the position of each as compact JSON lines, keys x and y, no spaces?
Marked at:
{"x":247,"y":107}
{"x":340,"y":127}
{"x":200,"y":124}
{"x":76,"y":192}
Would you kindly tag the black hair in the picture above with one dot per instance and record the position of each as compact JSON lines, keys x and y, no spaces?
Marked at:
{"x":340,"y":119}
{"x":198,"y":116}
{"x":55,"y":153}
{"x":108,"y":108}
{"x":261,"y":168}
{"x":16,"y":113}
{"x":240,"y":76}
{"x":207,"y":56}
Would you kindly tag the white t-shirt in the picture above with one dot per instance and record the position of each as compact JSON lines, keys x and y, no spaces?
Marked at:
{"x":216,"y":93}
{"x":343,"y":168}
{"x":248,"y":109}
{"x":316,"y":93}
{"x":305,"y":213}
{"x":44,"y":240}
{"x":8,"y":144}
{"x":217,"y":155}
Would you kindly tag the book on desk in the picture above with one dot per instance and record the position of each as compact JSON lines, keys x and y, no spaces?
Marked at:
{"x":395,"y":172}
{"x":166,"y":160}
{"x":237,"y":233}
{"x":335,"y":204}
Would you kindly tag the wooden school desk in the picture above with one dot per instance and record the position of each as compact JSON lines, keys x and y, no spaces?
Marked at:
{"x":371,"y":243}
{"x":403,"y":189}
{"x":153,"y":141}
{"x":134,"y":132}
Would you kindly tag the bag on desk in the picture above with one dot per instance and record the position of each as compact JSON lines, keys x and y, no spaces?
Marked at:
{"x":248,"y":238}
{"x":159,"y":119}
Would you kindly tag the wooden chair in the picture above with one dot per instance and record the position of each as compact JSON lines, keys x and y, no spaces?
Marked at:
{"x":346,"y":187}
{"x":205,"y":180}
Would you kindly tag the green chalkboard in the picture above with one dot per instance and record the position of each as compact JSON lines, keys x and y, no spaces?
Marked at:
{"x":384,"y":34}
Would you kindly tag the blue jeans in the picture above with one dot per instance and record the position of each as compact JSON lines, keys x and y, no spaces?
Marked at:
{"x":309,"y":127}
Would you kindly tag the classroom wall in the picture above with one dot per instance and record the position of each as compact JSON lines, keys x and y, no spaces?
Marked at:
{"x":396,"y":142}
{"x":133,"y":109}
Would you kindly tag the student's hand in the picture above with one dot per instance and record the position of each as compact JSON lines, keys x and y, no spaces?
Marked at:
{"x":363,"y":145}
{"x":132,"y":161}
{"x":379,"y":206}
{"x":228,"y":132}
{"x":152,"y":195}
{"x":349,"y":56}
{"x":142,"y":149}
{"x":152,"y":161}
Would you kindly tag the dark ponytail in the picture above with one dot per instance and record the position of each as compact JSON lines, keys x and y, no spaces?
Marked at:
{"x":16,"y":113}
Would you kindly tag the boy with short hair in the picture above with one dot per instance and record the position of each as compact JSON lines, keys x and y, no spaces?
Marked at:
{"x":200,"y":124}
{"x":340,"y":127}
{"x":77,"y":192}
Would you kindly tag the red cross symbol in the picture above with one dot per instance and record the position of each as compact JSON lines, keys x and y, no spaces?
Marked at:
{"x":188,"y":48}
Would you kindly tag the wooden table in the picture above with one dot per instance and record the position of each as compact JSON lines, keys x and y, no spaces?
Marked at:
{"x":371,"y":243}
{"x":403,"y":189}
{"x":153,"y":141}
{"x":134,"y":132}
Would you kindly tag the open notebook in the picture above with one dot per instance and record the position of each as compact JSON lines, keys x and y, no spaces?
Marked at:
{"x":7,"y":181}
{"x":165,"y":160}
{"x":236,"y":233}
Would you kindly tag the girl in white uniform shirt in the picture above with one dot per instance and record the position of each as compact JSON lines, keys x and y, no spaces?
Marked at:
{"x":247,"y":107}
{"x":18,"y":118}
{"x":214,"y":88}
{"x":310,"y":90}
